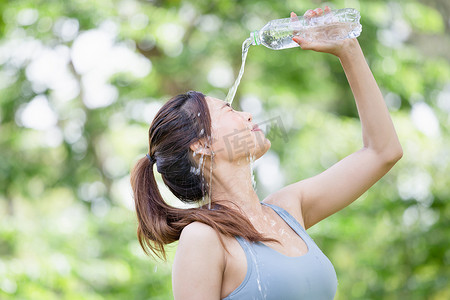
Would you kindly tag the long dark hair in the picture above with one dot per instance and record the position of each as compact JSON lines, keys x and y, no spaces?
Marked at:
{"x":181,"y":121}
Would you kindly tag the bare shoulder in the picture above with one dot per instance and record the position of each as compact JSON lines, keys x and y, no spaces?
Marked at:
{"x":198,"y":229}
{"x":197,"y":235}
{"x":199,"y":263}
{"x":289,"y":200}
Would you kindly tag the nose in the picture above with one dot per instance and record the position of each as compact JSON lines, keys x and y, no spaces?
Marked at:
{"x":248,"y":116}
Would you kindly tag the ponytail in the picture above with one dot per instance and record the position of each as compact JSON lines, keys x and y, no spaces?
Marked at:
{"x":151,"y":210}
{"x":160,"y":224}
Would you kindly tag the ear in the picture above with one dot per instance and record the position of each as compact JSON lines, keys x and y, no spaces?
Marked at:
{"x":201,"y":147}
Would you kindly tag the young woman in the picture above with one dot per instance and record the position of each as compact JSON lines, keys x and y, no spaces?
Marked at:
{"x":239,"y":247}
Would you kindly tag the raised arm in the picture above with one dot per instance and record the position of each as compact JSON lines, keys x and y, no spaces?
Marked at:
{"x":338,"y":186}
{"x":378,"y":131}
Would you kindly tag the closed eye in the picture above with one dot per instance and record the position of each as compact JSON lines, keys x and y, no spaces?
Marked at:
{"x":229,"y":105}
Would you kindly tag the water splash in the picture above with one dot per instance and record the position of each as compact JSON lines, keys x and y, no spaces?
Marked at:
{"x":258,"y":274}
{"x":245,"y":46}
{"x":201,"y":166}
{"x":200,"y":170}
{"x":251,"y":159}
{"x":197,"y":170}
{"x":210,"y":173}
{"x":210,"y":181}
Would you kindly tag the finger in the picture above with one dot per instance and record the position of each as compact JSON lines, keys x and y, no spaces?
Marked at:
{"x":318,"y":11}
{"x":308,"y":13}
{"x":301,"y":42}
{"x":297,"y":40}
{"x":306,"y":44}
{"x":294,"y":17}
{"x":327,"y":9}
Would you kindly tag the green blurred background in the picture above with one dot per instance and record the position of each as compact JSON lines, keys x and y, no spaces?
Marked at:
{"x":81,"y":80}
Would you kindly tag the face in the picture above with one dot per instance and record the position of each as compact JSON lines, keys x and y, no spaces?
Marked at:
{"x":233,"y":136}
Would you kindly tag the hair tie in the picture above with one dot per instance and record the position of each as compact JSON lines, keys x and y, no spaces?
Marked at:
{"x":151,"y":158}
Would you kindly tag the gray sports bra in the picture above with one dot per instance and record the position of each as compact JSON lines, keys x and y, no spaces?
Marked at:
{"x":272,"y":275}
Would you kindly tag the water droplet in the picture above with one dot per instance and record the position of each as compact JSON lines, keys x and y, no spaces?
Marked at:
{"x":210,"y":183}
{"x":198,"y":115}
{"x":258,"y":276}
{"x":251,"y":158}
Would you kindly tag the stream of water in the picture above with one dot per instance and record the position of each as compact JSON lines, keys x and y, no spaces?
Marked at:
{"x":232,"y":92}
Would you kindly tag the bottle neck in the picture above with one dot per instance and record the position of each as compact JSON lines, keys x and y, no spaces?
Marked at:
{"x":255,"y":38}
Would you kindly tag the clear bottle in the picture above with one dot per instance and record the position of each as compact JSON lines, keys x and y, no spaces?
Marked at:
{"x":335,"y":25}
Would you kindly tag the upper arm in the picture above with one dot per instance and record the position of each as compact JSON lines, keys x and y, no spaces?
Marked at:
{"x":199,"y":263}
{"x":328,"y":192}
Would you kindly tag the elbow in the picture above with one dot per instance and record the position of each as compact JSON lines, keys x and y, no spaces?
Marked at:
{"x":398,"y":156}
{"x":389,"y":155}
{"x":393,"y":156}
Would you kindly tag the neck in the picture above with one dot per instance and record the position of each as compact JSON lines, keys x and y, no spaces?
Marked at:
{"x":234,"y":184}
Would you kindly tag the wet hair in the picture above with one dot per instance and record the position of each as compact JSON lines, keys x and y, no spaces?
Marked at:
{"x":181,"y":121}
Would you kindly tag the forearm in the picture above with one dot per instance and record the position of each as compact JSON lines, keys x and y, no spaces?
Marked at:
{"x":377,"y":128}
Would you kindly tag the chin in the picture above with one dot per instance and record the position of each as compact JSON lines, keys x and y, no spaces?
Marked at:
{"x":262,"y":149}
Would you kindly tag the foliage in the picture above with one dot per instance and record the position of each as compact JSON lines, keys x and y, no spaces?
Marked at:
{"x":81,"y":80}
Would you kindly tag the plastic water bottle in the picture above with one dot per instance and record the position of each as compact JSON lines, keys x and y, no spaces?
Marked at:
{"x":335,"y":25}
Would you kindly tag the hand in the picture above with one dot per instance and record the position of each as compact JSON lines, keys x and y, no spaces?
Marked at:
{"x":335,"y":47}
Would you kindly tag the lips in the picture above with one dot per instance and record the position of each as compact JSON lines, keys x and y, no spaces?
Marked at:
{"x":256,"y":128}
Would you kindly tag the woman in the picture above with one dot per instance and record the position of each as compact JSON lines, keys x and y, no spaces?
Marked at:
{"x":238,"y":247}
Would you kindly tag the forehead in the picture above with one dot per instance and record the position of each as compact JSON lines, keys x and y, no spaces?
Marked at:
{"x":214,"y":101}
{"x":214,"y":104}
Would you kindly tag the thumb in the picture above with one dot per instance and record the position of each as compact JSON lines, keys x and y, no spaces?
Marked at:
{"x":304,"y":44}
